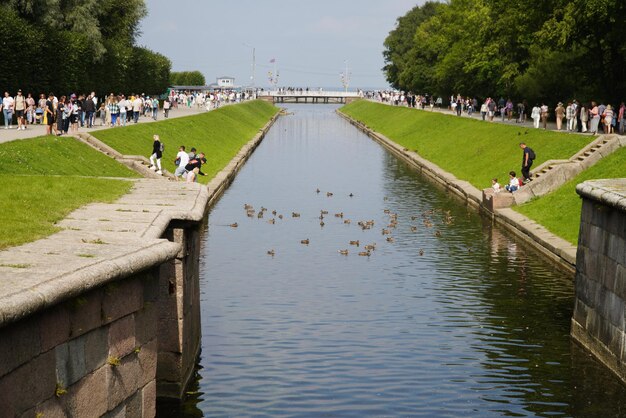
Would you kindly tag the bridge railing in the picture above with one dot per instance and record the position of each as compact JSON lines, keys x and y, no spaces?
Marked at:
{"x":310,"y":93}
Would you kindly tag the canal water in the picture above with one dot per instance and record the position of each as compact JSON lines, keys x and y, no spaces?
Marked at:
{"x":449,"y":317}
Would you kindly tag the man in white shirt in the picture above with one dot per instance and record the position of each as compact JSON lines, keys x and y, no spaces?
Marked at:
{"x":182,"y":159}
{"x":7,"y":110}
{"x":137,"y":108}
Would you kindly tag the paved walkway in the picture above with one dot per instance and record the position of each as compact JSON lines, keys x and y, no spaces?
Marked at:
{"x":39,"y":130}
{"x":476,"y":115}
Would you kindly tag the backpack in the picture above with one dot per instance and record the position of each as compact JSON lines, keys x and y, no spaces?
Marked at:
{"x":162,"y":147}
{"x":531,"y":154}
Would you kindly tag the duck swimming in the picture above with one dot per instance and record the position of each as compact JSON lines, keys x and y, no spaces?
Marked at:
{"x":304,"y":241}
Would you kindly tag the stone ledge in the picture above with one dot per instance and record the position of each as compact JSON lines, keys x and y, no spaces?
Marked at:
{"x":609,"y":192}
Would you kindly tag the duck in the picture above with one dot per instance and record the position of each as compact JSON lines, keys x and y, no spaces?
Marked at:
{"x":235,"y":225}
{"x":355,"y":243}
{"x":346,"y":221}
{"x":280,"y":216}
{"x":370,"y":247}
{"x":387,"y":211}
{"x":271,"y":252}
{"x":343,"y":252}
{"x":263,"y":209}
{"x":329,"y":194}
{"x":274,"y":212}
{"x":250,"y":214}
{"x":413,"y":229}
{"x":339,"y":215}
{"x":365,"y":253}
{"x":272,"y":221}
{"x":317,"y":190}
{"x":386,"y":232}
{"x":322,"y":224}
{"x":304,"y":241}
{"x":247,"y":206}
{"x":260,"y":215}
{"x":295,"y":215}
{"x":421,"y":252}
{"x":350,"y":195}
{"x":438,"y":234}
{"x":324,"y":212}
{"x":413,"y":218}
{"x":390,"y":239}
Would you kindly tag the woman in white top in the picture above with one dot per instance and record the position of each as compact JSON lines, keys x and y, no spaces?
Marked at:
{"x":536,"y":115}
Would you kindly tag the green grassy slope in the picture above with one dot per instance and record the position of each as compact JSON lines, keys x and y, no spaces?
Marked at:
{"x":559,"y":211}
{"x":220,"y":134}
{"x":470,"y":149}
{"x":43,"y":179}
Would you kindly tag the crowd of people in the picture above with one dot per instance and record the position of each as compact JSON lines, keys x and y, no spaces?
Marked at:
{"x":579,"y":117}
{"x":64,"y":114}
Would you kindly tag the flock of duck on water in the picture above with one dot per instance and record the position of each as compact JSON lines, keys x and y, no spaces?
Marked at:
{"x":364,"y":225}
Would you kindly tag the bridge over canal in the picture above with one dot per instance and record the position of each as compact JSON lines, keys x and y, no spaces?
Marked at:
{"x":311,"y":96}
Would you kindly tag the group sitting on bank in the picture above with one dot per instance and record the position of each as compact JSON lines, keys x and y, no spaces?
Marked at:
{"x":188,"y":164}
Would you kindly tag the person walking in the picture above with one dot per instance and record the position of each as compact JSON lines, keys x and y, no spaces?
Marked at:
{"x":122,"y":104}
{"x":157,"y":154}
{"x":49,"y":115}
{"x":136,"y":108}
{"x":584,"y":117}
{"x":620,"y":118}
{"x":155,"y":108}
{"x":20,"y":110}
{"x":544,"y":115}
{"x":166,"y":107}
{"x":528,"y":157}
{"x":559,"y":111}
{"x":595,"y":118}
{"x":535,"y":114}
{"x":608,"y":119}
{"x":114,"y":110}
{"x":7,"y":110}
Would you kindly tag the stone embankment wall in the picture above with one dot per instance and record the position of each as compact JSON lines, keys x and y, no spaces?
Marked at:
{"x":102,"y":317}
{"x":599,"y":321}
{"x":552,"y":246}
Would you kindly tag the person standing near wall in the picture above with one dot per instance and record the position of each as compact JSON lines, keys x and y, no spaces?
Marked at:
{"x":560,"y":113}
{"x":528,"y":157}
{"x":535,"y":114}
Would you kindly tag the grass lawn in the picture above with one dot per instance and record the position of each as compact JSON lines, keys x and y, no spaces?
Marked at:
{"x":31,"y":205}
{"x":472,"y":150}
{"x":559,"y":211}
{"x":220,"y":134}
{"x":43,"y":179}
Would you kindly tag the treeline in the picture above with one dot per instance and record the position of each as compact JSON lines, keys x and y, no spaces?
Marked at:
{"x":187,"y":78}
{"x":77,"y":46}
{"x":550,"y":50}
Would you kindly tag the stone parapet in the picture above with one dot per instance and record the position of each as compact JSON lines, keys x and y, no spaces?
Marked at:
{"x":599,"y":322}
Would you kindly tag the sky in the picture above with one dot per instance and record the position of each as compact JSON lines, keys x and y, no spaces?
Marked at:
{"x":311,"y":40}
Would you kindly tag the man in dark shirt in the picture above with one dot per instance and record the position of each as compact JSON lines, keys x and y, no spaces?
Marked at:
{"x":527,"y":161}
{"x":49,"y":113}
{"x":89,"y":107}
{"x":194,"y":168}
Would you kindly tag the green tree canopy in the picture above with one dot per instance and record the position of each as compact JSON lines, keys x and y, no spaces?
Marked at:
{"x":77,"y":46}
{"x":187,"y":78}
{"x":553,"y":50}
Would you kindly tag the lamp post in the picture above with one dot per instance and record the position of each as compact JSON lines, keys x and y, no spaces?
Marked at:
{"x":345,"y":77}
{"x":253,"y":63}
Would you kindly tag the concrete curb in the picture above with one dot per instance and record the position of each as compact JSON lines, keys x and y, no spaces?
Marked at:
{"x":556,"y":248}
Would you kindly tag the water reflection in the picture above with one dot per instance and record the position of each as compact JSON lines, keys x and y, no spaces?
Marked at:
{"x":454,"y":317}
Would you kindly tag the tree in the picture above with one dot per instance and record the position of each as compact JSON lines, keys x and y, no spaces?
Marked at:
{"x":187,"y":78}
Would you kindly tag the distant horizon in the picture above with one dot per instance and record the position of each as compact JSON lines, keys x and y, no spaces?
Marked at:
{"x":310,"y":41}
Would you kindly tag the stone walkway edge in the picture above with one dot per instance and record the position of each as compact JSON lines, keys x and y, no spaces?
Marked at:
{"x":554,"y":247}
{"x":101,"y":243}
